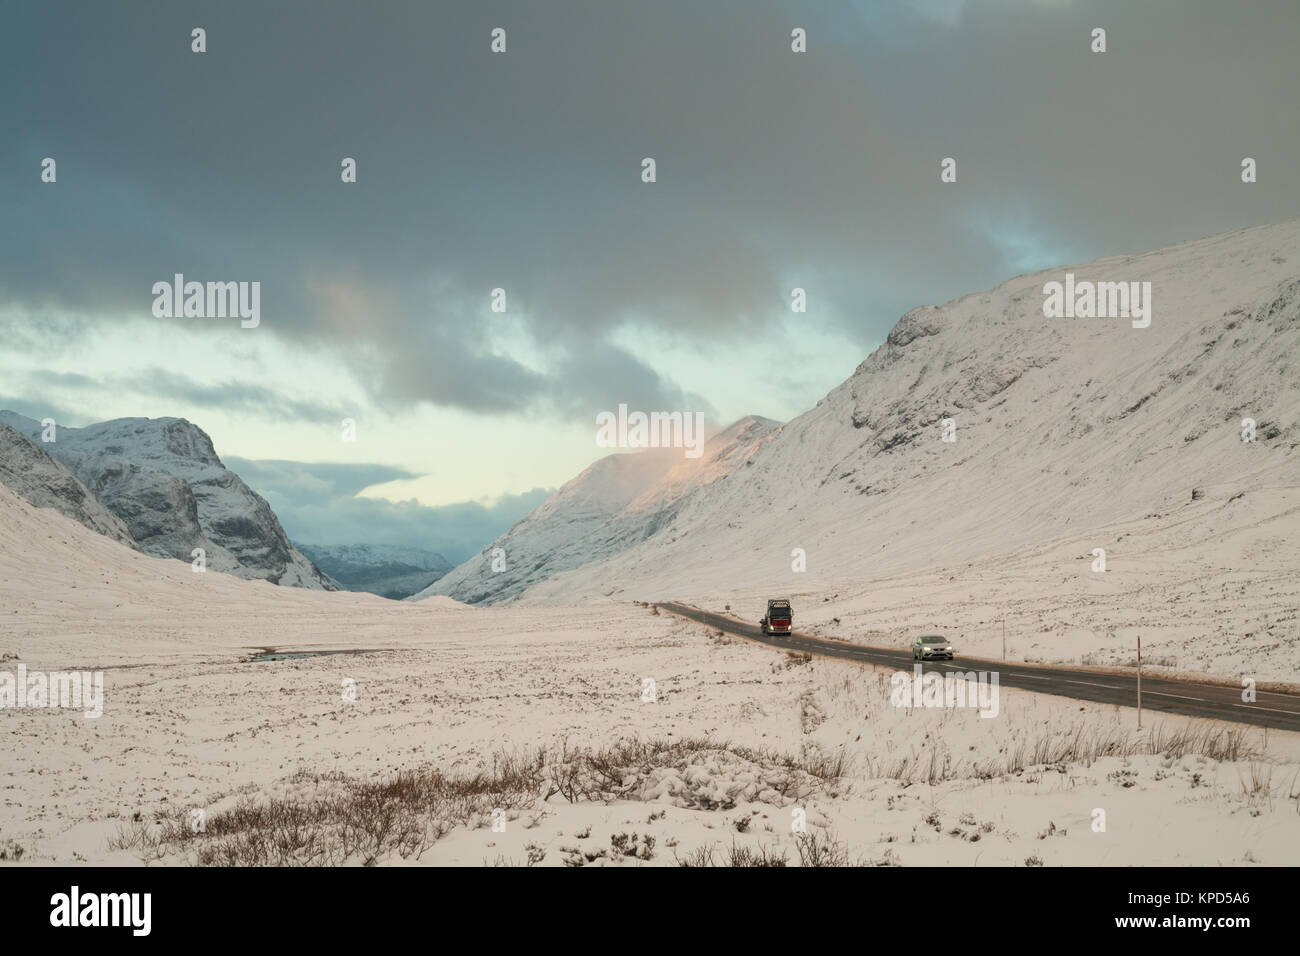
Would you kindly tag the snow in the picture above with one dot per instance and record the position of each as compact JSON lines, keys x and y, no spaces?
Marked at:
{"x":610,"y":506}
{"x":379,"y":555}
{"x":190,"y":723}
{"x":28,"y":470}
{"x":163,"y":478}
{"x":1071,"y":435}
{"x":392,"y":571}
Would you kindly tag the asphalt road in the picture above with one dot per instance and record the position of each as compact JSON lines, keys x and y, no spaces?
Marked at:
{"x":1212,"y":701}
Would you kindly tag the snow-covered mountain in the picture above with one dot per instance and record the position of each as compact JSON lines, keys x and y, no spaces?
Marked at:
{"x":164,"y":480}
{"x":391,"y":571}
{"x":615,"y":503}
{"x":1083,"y":430}
{"x":28,"y":470}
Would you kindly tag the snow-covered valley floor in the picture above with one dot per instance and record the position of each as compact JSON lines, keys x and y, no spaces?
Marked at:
{"x":751,"y":737}
{"x":540,"y":712}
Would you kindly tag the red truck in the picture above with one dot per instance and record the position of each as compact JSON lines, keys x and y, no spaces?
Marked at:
{"x":777,"y":619}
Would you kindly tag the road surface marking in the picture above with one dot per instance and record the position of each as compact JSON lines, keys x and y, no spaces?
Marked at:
{"x":1271,"y":710}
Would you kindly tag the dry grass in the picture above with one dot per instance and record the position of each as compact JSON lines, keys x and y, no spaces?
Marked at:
{"x":11,"y":851}
{"x":617,"y":771}
{"x":852,"y":694}
{"x":335,"y":819}
{"x":711,"y":855}
{"x":814,"y":849}
{"x":331,"y":819}
{"x":1082,"y":745}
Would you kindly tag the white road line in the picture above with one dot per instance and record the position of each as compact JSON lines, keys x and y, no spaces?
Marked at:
{"x":1271,"y":710}
{"x":1091,"y":684}
{"x":1156,"y":693}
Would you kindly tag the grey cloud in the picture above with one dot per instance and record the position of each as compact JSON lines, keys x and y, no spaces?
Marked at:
{"x":522,"y":170}
{"x":315,"y":503}
{"x":163,"y":385}
{"x":38,"y":410}
{"x":233,"y":396}
{"x":324,"y":479}
{"x":605,"y":376}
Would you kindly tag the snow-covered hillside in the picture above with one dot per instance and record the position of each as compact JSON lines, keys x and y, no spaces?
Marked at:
{"x":391,"y":571}
{"x":615,"y":503}
{"x":1061,"y":424}
{"x":163,"y":479}
{"x":1070,"y":435}
{"x":28,"y":470}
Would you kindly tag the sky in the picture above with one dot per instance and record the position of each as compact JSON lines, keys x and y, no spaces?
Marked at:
{"x":522,"y":171}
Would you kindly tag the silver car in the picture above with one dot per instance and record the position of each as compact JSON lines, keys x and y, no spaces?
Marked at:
{"x":931,"y":647}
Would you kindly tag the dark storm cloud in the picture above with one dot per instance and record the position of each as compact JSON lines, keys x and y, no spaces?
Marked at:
{"x":601,"y":371}
{"x":316,"y":505}
{"x":522,"y":170}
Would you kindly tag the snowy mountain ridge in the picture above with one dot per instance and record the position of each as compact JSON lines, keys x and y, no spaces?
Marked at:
{"x":616,"y":502}
{"x":163,"y":478}
{"x":1085,"y":430}
{"x":27,"y":469}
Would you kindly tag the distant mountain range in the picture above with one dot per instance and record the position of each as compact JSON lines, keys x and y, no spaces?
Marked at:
{"x":391,"y":571}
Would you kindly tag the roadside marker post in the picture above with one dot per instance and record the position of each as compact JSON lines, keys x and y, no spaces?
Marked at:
{"x":1139,"y":682}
